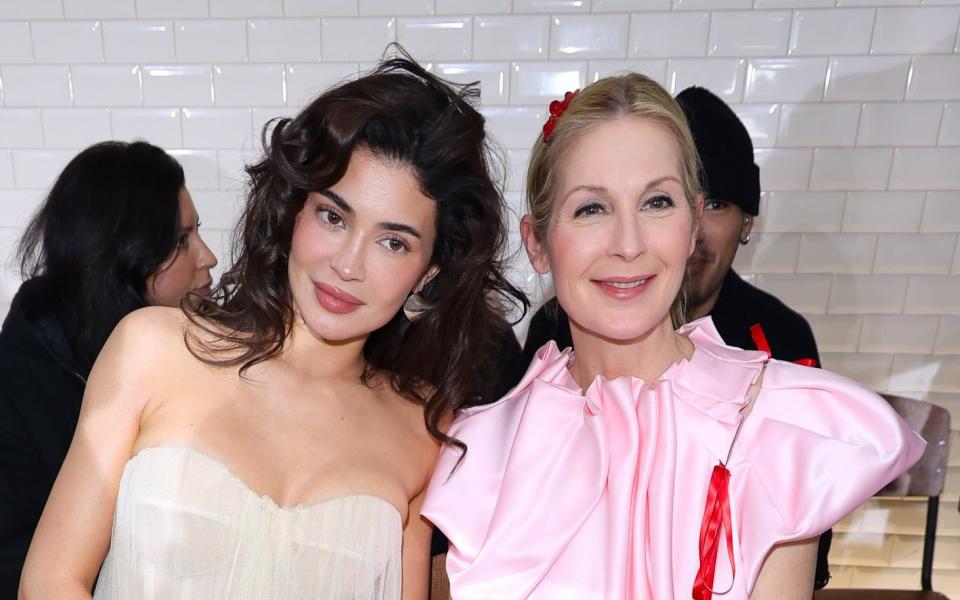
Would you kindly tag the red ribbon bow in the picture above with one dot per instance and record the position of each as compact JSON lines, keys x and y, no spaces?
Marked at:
{"x":760,"y":339}
{"x":716,"y":515}
{"x":557,"y":108}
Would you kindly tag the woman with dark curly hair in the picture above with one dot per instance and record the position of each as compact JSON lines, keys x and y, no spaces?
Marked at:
{"x":275,"y":442}
{"x":118,"y":231}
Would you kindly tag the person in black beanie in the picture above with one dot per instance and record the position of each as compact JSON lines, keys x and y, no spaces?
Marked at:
{"x":746,"y":317}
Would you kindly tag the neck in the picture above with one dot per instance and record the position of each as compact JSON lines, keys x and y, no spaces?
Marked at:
{"x":646,"y":357}
{"x":704,"y":308}
{"x":317,"y":358}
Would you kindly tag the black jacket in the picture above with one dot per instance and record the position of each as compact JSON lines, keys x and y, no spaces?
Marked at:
{"x":739,"y":307}
{"x":41,"y":386}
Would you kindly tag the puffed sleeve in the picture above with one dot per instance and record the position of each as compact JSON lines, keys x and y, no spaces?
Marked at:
{"x":816,"y":446}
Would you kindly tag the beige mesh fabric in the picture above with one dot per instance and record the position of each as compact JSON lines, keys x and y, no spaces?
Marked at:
{"x":186,"y":527}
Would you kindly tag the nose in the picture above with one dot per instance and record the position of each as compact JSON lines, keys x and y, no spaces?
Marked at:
{"x":348,"y":260}
{"x":207,"y":259}
{"x":628,"y":239}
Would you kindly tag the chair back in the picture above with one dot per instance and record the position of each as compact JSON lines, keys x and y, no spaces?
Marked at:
{"x":932,"y":422}
{"x":439,"y":585}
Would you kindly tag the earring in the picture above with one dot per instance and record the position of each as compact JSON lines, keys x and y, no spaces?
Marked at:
{"x":415,"y":307}
{"x":745,"y":240}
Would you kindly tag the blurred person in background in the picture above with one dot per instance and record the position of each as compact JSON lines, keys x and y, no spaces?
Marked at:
{"x":745,"y":316}
{"x":118,"y":231}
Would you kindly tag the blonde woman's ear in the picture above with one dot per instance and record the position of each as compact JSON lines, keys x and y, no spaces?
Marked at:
{"x":536,"y":251}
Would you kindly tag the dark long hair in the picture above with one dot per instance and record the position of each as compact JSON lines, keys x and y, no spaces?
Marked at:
{"x":398,"y":112}
{"x":110,"y":221}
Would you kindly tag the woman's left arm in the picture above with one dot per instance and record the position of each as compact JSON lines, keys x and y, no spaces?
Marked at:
{"x":787,"y":573}
{"x":416,"y":553}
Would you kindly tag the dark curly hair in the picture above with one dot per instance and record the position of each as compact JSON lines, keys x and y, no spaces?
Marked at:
{"x":398,"y":112}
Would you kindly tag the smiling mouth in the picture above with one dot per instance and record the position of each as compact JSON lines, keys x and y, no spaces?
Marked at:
{"x":624,"y":288}
{"x":625,"y":285}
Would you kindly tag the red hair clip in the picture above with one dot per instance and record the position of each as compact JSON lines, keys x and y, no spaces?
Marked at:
{"x":557,"y":108}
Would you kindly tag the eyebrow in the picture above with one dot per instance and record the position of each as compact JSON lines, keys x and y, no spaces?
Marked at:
{"x":345,"y":206}
{"x":599,"y":189}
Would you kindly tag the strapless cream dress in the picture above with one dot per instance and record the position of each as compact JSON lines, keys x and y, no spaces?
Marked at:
{"x":187,"y":528}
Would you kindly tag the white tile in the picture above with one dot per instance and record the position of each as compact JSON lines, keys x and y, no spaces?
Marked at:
{"x":212,"y":40}
{"x":540,"y":82}
{"x":867,"y":78}
{"x":925,"y":373}
{"x":925,"y":168}
{"x":200,"y":168}
{"x":20,"y":128}
{"x":950,"y":126}
{"x":783,"y":168}
{"x":171,"y":9}
{"x":218,"y":209}
{"x":803,"y":293}
{"x":654,"y":68}
{"x":956,"y":261}
{"x":494,"y":79}
{"x":395,"y":7}
{"x":159,"y":126}
{"x":836,"y":333}
{"x":327,"y":8}
{"x":473,"y":7}
{"x":264,"y":118}
{"x":630,"y":5}
{"x":35,"y":9}
{"x":511,"y":37}
{"x":883,"y":212}
{"x":722,"y":76}
{"x":39,"y":168}
{"x":99,"y":9}
{"x":815,"y":212}
{"x":785,"y":80}
{"x":899,"y":124}
{"x":348,"y":39}
{"x":935,"y":77}
{"x":761,"y":121}
{"x":138,"y":41}
{"x":305,"y":82}
{"x":877,"y":2}
{"x":948,"y":338}
{"x":248,"y":85}
{"x":246,"y":8}
{"x":917,"y":30}
{"x":67,"y":41}
{"x":748,"y":33}
{"x":515,"y":126}
{"x":941,"y":213}
{"x":832,"y":31}
{"x":40,"y":85}
{"x":232,"y":165}
{"x":869,"y":370}
{"x":836,"y":253}
{"x":864,"y":294}
{"x":517,"y":161}
{"x":15,"y":43}
{"x":550,"y":6}
{"x":594,"y":36}
{"x":436,"y":38}
{"x":174,"y":85}
{"x":933,"y":294}
{"x":106,"y":85}
{"x":926,"y":253}
{"x":284,"y":40}
{"x":6,"y":172}
{"x":655,"y":34}
{"x":768,"y":253}
{"x":75,"y":127}
{"x":710,"y":4}
{"x":792,"y":3}
{"x":850,"y":168}
{"x":217,"y":128}
{"x":818,"y":124}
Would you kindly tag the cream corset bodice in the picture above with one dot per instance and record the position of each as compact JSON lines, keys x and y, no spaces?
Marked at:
{"x":186,"y":527}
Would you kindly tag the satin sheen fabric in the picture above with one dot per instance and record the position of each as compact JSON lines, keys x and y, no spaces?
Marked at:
{"x":565,"y":494}
{"x":186,"y":527}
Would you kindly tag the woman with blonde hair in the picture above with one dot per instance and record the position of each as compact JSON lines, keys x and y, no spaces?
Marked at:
{"x":651,"y":460}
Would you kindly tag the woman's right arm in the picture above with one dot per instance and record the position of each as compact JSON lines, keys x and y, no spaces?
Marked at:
{"x":73,"y":535}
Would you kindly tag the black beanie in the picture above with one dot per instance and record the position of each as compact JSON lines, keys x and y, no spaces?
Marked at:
{"x":725,"y":149}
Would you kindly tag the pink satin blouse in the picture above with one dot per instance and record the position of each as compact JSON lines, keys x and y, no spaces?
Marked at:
{"x":565,"y":494}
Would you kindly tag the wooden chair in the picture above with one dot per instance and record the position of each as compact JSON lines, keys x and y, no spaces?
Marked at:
{"x":439,"y":585}
{"x":924,"y":479}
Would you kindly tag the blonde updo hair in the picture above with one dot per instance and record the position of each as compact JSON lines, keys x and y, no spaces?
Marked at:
{"x":610,"y":99}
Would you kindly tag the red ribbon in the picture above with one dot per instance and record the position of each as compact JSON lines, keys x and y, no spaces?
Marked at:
{"x":716,"y":514}
{"x":760,"y":339}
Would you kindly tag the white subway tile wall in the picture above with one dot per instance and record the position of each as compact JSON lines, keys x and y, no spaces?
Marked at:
{"x":853,"y":107}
